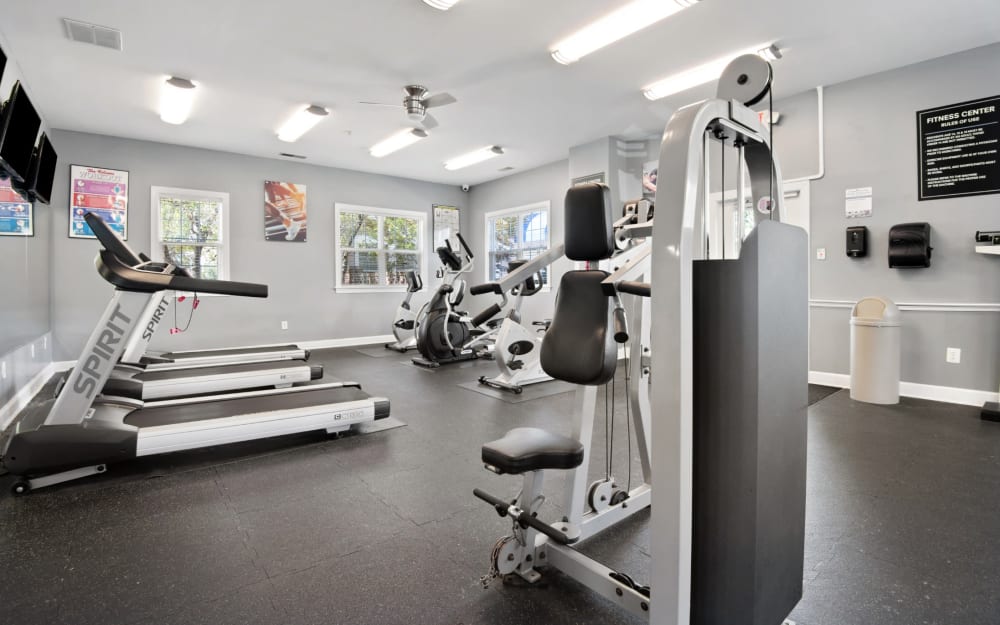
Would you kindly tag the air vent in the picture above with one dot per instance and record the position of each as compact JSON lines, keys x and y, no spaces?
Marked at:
{"x":507,"y":168}
{"x":290,"y":155}
{"x":92,"y":33}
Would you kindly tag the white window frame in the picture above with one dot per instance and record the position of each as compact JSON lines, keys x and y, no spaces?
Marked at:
{"x":156,"y":251}
{"x":527,"y":208}
{"x":419,"y":216}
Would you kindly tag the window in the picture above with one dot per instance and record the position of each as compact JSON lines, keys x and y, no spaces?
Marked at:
{"x":377,"y":246}
{"x":516,"y":233}
{"x":190,"y":229}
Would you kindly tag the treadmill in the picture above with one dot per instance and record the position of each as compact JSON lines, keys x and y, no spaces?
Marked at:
{"x":137,"y":380}
{"x":78,"y":433}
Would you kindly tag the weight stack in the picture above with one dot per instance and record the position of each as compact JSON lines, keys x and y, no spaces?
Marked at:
{"x":750,"y":401}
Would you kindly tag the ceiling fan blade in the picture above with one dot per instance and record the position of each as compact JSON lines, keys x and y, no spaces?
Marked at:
{"x":429,"y":123}
{"x":379,"y":104}
{"x":440,"y":99}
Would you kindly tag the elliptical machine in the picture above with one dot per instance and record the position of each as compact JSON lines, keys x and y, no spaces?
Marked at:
{"x":404,"y":327}
{"x":444,"y":334}
{"x":517,"y":347}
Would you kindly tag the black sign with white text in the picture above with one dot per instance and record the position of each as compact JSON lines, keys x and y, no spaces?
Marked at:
{"x":959,"y":149}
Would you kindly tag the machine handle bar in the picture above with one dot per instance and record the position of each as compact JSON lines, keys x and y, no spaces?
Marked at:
{"x":465,"y":245}
{"x":635,"y":288}
{"x":524,"y":519}
{"x":621,"y":327}
{"x":488,"y":287}
{"x":486,"y":315}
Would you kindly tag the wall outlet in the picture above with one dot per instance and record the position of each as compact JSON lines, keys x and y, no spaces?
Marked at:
{"x":820,"y":253}
{"x":3,"y":370}
{"x":32,"y":351}
{"x":953,"y":355}
{"x":45,"y":342}
{"x":284,"y":325}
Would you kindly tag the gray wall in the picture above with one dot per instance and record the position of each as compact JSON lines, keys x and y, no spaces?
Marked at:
{"x":871,"y":141}
{"x":24,"y":284}
{"x":548,"y":182}
{"x":300,"y":275}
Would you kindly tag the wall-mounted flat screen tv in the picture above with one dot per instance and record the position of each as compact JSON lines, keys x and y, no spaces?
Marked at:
{"x":19,"y":124}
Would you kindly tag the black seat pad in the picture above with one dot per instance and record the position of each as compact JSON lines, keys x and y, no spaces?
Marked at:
{"x":532,"y":449}
{"x":579,"y":345}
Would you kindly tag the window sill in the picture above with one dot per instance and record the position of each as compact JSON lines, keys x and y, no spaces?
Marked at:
{"x":370,"y":289}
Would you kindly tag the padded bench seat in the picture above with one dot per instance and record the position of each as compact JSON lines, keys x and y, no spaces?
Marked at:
{"x":532,"y":449}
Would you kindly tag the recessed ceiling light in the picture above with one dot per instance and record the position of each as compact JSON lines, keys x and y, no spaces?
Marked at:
{"x":478,"y":156}
{"x":176,"y":99}
{"x":300,"y":123}
{"x":397,"y":142}
{"x":706,"y":72}
{"x":616,"y":25}
{"x":442,"y":5}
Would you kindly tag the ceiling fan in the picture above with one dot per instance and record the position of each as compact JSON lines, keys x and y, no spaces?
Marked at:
{"x":416,"y":102}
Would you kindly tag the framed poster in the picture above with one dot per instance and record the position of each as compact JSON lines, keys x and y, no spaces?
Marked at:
{"x":284,"y":211}
{"x":958,"y":147}
{"x":649,"y":179}
{"x":100,"y":191}
{"x":17,"y":214}
{"x":446,"y":224}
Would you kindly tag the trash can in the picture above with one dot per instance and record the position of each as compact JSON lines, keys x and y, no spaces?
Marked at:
{"x":875,"y":346}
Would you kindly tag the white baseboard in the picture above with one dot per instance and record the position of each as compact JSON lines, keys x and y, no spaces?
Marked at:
{"x":17,"y":403}
{"x":839,"y":380}
{"x":949,"y":394}
{"x":348,"y":342}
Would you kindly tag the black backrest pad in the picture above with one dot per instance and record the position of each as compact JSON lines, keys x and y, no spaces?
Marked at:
{"x":449,"y":258}
{"x":589,"y":230}
{"x":579,"y":346}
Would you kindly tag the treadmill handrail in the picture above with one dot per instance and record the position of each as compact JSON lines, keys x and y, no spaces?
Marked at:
{"x":114,"y":243}
{"x":127,"y":278}
{"x":111,"y":241}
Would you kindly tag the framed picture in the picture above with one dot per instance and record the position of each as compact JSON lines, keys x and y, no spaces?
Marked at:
{"x":446,"y":224}
{"x":17,"y":214}
{"x":284,"y":211}
{"x":100,"y":191}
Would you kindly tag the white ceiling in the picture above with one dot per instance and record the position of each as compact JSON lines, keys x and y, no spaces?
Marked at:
{"x":257,"y":61}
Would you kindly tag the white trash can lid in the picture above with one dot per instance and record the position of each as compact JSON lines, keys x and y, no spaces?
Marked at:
{"x":875,"y":311}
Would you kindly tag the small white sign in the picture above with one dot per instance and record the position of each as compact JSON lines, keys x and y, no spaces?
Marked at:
{"x":858,"y":202}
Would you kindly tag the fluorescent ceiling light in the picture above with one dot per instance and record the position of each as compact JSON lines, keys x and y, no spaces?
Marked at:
{"x":442,"y":5}
{"x":472,"y":158}
{"x":176,"y":98}
{"x":397,"y":142}
{"x":616,"y":25}
{"x":300,"y":123}
{"x":702,"y":74}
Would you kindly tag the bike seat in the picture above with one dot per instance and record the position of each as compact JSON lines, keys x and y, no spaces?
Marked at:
{"x":532,"y":449}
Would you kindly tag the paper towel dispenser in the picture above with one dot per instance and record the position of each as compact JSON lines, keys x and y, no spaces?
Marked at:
{"x":910,"y":245}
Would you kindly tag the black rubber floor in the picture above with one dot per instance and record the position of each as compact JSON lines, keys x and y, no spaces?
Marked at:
{"x":819,"y":393}
{"x":903,"y":522}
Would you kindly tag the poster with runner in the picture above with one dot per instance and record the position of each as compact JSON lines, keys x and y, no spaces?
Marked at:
{"x":100,"y":191}
{"x":16,"y":213}
{"x":284,"y":211}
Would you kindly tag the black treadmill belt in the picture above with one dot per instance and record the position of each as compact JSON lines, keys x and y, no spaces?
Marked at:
{"x":236,"y":351}
{"x":197,"y":372}
{"x":203,"y":411}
